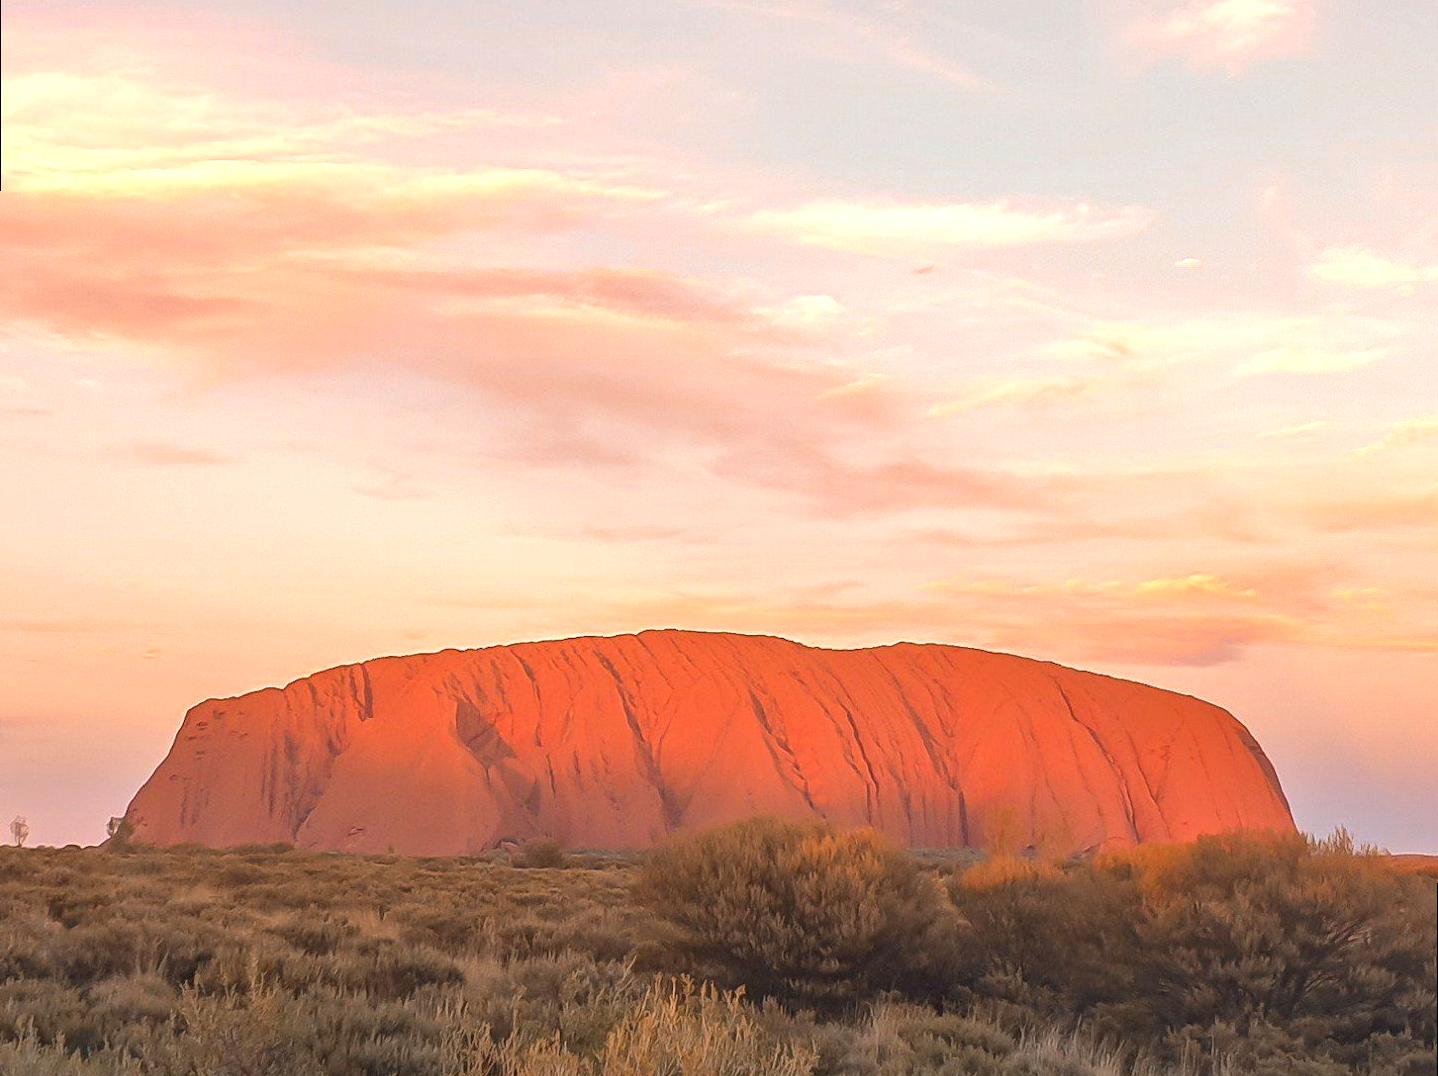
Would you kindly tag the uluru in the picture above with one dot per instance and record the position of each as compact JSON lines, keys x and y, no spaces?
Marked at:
{"x":618,"y":742}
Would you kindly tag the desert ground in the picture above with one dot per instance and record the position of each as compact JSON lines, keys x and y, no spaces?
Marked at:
{"x":767,"y":947}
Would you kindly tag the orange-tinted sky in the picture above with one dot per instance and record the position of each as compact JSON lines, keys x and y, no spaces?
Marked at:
{"x":1101,"y":332}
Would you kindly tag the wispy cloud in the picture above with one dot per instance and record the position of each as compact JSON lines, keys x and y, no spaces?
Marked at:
{"x":1310,"y":360}
{"x":1247,"y":344}
{"x":1378,"y":511}
{"x":1227,"y":35}
{"x":1145,"y":359}
{"x":867,"y":37}
{"x":1297,"y":430}
{"x":1405,"y":434}
{"x":1194,"y":618}
{"x":1359,"y":267}
{"x":1019,"y":391}
{"x":167,"y":454}
{"x":911,"y":228}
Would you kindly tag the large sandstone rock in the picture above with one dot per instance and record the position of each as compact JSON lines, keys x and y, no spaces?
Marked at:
{"x":616,"y":742}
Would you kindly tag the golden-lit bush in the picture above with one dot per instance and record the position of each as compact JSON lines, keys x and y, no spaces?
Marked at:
{"x":1264,"y":942}
{"x":793,"y":910}
{"x":1006,"y":870}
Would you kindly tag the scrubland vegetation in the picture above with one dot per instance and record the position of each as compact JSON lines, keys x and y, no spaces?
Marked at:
{"x":763,"y":949}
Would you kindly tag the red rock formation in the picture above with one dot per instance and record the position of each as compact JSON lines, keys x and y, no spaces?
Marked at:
{"x":614,"y":743}
{"x":1415,"y":863}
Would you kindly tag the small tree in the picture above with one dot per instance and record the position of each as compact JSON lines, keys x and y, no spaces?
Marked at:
{"x":119,"y":831}
{"x":19,"y":831}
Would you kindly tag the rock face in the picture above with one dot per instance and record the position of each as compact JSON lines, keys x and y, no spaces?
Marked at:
{"x":617,"y":742}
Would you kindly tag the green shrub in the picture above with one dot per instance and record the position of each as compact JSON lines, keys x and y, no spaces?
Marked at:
{"x":795,"y":911}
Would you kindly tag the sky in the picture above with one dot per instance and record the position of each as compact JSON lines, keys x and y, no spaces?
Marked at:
{"x":1102,"y":332}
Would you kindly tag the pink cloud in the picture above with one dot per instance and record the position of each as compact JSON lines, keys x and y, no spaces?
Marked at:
{"x":1099,"y":623}
{"x":857,"y":38}
{"x":1227,"y":35}
{"x":640,"y":293}
{"x":1362,"y":268}
{"x":168,"y":454}
{"x":912,"y":228}
{"x":1379,"y":511}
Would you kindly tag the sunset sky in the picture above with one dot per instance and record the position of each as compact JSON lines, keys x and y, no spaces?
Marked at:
{"x":1101,"y":332}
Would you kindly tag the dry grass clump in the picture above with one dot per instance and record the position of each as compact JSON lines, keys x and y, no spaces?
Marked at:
{"x":676,"y":1027}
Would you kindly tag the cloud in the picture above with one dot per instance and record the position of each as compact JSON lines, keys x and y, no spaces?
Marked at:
{"x":1021,"y":391}
{"x":637,"y":533}
{"x":126,"y":133}
{"x":909,"y":228}
{"x":1107,"y":358}
{"x":236,"y":263}
{"x":859,"y":38}
{"x":393,"y":487}
{"x":165,"y":454}
{"x":1299,"y":429}
{"x":806,"y":310}
{"x":1358,"y":267}
{"x":57,"y":626}
{"x":229,"y":238}
{"x":1189,"y":619}
{"x":1405,"y":434}
{"x":1227,"y":35}
{"x":1167,"y":589}
{"x":1248,"y":345}
{"x":836,"y":484}
{"x":1080,"y":527}
{"x":1310,"y":360}
{"x":1374,"y":512}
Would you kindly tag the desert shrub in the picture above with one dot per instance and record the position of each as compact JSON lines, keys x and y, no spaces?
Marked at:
{"x":48,"y":1012}
{"x":901,"y":1039}
{"x":795,"y":911}
{"x":1279,"y":951}
{"x":1283,"y":931}
{"x":1034,"y":935}
{"x":316,"y":935}
{"x":259,"y":1035}
{"x":28,"y":1056}
{"x":540,"y":852}
{"x":384,"y":969}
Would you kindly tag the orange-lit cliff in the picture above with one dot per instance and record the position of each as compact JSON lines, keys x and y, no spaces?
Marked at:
{"x":616,"y":742}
